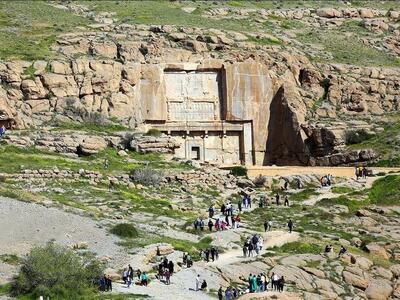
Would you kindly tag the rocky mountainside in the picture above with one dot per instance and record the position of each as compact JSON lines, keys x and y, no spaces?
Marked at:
{"x":84,"y":85}
{"x":113,"y":68}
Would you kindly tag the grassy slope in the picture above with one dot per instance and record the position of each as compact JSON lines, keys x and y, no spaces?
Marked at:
{"x":29,"y":28}
{"x":386,"y":143}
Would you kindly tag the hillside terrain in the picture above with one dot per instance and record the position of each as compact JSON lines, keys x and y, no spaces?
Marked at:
{"x":86,"y":162}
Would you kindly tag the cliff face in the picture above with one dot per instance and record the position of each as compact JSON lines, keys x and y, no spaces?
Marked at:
{"x":121,"y":72}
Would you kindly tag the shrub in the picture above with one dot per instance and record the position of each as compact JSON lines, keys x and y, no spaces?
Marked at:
{"x":153,"y":132}
{"x":57,"y":272}
{"x":298,"y":248}
{"x":357,"y":136}
{"x":239,"y":171}
{"x":125,"y":230}
{"x":147,"y":176}
{"x":260,"y":180}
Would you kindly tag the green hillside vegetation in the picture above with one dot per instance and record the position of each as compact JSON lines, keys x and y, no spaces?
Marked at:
{"x":29,"y":28}
{"x":386,"y":143}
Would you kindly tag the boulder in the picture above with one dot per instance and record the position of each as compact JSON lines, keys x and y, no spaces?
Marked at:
{"x":92,"y":145}
{"x":366,"y":13}
{"x":377,"y":250}
{"x":356,"y":277}
{"x":395,"y":270}
{"x":379,"y":289}
{"x":154,"y":144}
{"x":329,"y":13}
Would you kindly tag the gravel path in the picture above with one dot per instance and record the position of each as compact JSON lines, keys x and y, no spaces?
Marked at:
{"x":271,"y":239}
{"x":24,"y":225}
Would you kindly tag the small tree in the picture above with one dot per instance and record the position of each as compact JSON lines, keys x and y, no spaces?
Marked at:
{"x":57,"y":272}
{"x":125,"y":230}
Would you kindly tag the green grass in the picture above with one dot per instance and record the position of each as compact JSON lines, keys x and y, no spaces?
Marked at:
{"x":30,"y":72}
{"x":125,"y":230}
{"x":5,"y":289}
{"x":341,"y":190}
{"x":14,"y":159}
{"x":385,"y":191}
{"x":265,"y":41}
{"x":298,"y":248}
{"x":10,"y":259}
{"x":91,"y":127}
{"x":385,"y":143}
{"x":166,"y":13}
{"x":347,"y":50}
{"x":353,"y":205}
{"x":304,"y":194}
{"x":29,"y":28}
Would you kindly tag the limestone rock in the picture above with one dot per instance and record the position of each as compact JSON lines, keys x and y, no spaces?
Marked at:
{"x":329,"y":13}
{"x":356,"y":277}
{"x":379,"y":289}
{"x":152,"y":144}
{"x":377,"y":250}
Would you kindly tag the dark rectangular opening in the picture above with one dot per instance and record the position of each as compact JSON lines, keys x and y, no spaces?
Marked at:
{"x":195,"y":153}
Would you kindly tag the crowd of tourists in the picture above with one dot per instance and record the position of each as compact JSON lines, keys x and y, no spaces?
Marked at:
{"x":261,"y":282}
{"x":255,"y":284}
{"x":229,"y":293}
{"x":105,"y":283}
{"x":252,"y":245}
{"x":165,"y":270}
{"x":129,"y":275}
{"x":361,"y":172}
{"x":211,"y":254}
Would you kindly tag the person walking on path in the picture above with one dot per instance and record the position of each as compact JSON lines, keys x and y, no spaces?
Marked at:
{"x":240,"y":206}
{"x":228,"y":294}
{"x":281,"y":283}
{"x":167,"y":276}
{"x":220,"y":293}
{"x":249,"y":280}
{"x":277,"y":199}
{"x":290,"y":225}
{"x":171,"y":267}
{"x":210,"y":224}
{"x":198,"y":283}
{"x":286,"y":201}
{"x":275,"y":281}
{"x":265,"y":225}
{"x":254,"y":283}
{"x":211,"y":211}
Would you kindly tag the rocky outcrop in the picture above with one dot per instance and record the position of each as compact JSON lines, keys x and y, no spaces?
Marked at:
{"x":64,"y":142}
{"x":153,"y":144}
{"x":285,"y":145}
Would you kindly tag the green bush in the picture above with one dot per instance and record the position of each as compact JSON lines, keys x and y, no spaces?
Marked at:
{"x":125,"y":230}
{"x":57,"y":272}
{"x":357,"y":136}
{"x":299,"y":248}
{"x":153,"y":132}
{"x":239,"y":171}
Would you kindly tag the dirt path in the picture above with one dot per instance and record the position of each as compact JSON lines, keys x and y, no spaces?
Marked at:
{"x":271,"y":239}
